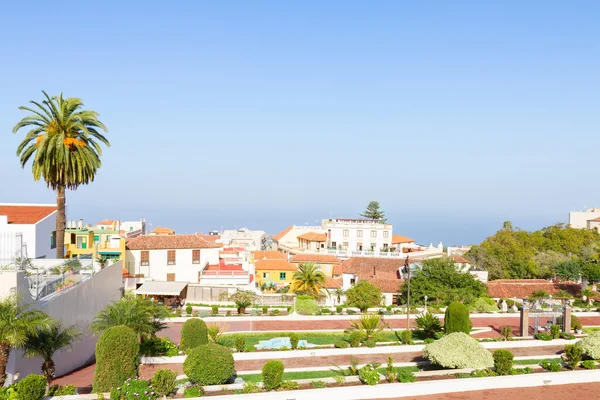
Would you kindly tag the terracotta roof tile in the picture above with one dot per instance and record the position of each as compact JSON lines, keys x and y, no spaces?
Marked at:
{"x":381,"y":272}
{"x":163,"y":231}
{"x":460,"y":260}
{"x":333,"y":283}
{"x":210,"y":238}
{"x":595,"y":219}
{"x":25,"y":214}
{"x":268,"y":254}
{"x":106,"y":222}
{"x":523,"y":288}
{"x":313,"y":237}
{"x":151,"y":242}
{"x":282,"y":233}
{"x":316,"y":258}
{"x":398,"y":239}
{"x":274,"y":265}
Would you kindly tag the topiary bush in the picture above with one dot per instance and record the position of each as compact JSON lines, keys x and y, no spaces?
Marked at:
{"x":32,"y":387}
{"x":339,"y":309}
{"x":134,"y":389}
{"x":240,"y":343}
{"x":356,"y":337}
{"x":306,"y":305}
{"x":458,"y":350}
{"x":591,"y":345}
{"x":573,"y":354}
{"x":209,"y":364}
{"x":484,"y":305}
{"x":272,"y":373}
{"x":575,"y":323}
{"x":117,"y":358}
{"x":294,"y":339}
{"x":163,"y":382}
{"x":188,"y":309}
{"x":503,"y":361}
{"x":214,"y":310}
{"x":194,"y":333}
{"x":457,"y":319}
{"x":555,"y":331}
{"x":405,"y":337}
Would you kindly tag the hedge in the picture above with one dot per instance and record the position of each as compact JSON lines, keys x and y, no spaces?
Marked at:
{"x":117,"y":358}
{"x":163,"y":382}
{"x":503,"y":361}
{"x":457,"y":319}
{"x":194,"y":333}
{"x":209,"y":364}
{"x":272,"y":373}
{"x":32,"y":387}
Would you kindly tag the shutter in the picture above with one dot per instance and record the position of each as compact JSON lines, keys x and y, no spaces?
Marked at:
{"x":170,"y":277}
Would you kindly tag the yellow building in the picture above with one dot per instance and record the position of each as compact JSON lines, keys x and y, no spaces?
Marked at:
{"x":328,"y":264}
{"x":94,"y":243}
{"x":275,"y":271}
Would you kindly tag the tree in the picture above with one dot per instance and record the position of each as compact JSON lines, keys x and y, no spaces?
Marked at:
{"x":142,"y":315}
{"x":63,"y":144}
{"x":308,"y":279}
{"x":440,"y":279}
{"x":241,"y":298}
{"x":338,"y":293}
{"x":17,"y":322}
{"x":372,"y":212}
{"x":591,"y":272}
{"x":568,"y":270}
{"x":48,"y":341}
{"x":364,"y":295}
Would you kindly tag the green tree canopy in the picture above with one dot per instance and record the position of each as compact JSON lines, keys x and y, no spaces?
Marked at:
{"x":309,"y":279}
{"x":364,"y":295}
{"x":373,"y":212}
{"x":568,"y":270}
{"x":512,"y":253}
{"x":440,"y":280}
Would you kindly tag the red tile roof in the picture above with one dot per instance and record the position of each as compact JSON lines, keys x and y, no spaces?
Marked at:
{"x":313,"y":237}
{"x":398,"y":239}
{"x":333,"y":283}
{"x":282,"y":233}
{"x":460,"y":260}
{"x":381,"y":272}
{"x":210,"y":238}
{"x":106,"y":222}
{"x":151,"y":242}
{"x":595,"y":219}
{"x":316,"y":258}
{"x":163,"y":231}
{"x":268,"y":254}
{"x":274,"y":265}
{"x":25,"y":214}
{"x":523,"y":288}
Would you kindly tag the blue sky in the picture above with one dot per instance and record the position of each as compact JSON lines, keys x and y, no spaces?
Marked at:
{"x":442,"y":111}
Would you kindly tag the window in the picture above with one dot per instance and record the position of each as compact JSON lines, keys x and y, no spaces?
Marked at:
{"x":358,"y":246}
{"x":170,"y":257}
{"x":80,"y":242}
{"x":352,"y":281}
{"x":265,"y":275}
{"x":345,"y":246}
{"x":333,"y":244}
{"x":195,"y":256}
{"x":170,"y":277}
{"x":386,"y":234}
{"x":346,"y":233}
{"x":373,"y":234}
{"x":53,"y":240}
{"x":145,"y":258}
{"x":359,"y":234}
{"x":131,"y":229}
{"x":282,"y":276}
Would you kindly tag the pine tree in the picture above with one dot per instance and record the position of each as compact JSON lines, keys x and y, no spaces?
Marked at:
{"x":373,"y":212}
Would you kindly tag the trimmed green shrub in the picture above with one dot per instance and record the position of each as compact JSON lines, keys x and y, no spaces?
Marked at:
{"x":458,"y":350}
{"x":272,"y":373}
{"x":318,"y":384}
{"x":134,"y":389}
{"x":555,"y":331}
{"x":542,"y":336}
{"x":163,"y":382}
{"x":306,"y":305}
{"x":209,"y":364}
{"x":294,"y":339}
{"x":65,"y":390}
{"x":193,"y":391}
{"x":117,"y":358}
{"x":574,"y":354}
{"x":265,"y":310}
{"x":289,"y":385}
{"x":188,"y":309}
{"x":370,"y":343}
{"x":369,"y":375}
{"x":214,"y":310}
{"x":520,"y":371}
{"x":228,"y":313}
{"x":350,"y":311}
{"x":552,"y":366}
{"x":591,"y":345}
{"x":341,"y":344}
{"x":32,"y":387}
{"x":404,"y":336}
{"x":406,"y":375}
{"x":158,"y":346}
{"x":240,"y":343}
{"x":484,"y":305}
{"x":274,"y":312}
{"x":339,"y":309}
{"x":356,"y":337}
{"x":575,"y":323}
{"x":503,"y":361}
{"x":566,"y":336}
{"x":194,"y":333}
{"x":506,"y":331}
{"x":430,"y":324}
{"x":457,"y":319}
{"x":589,"y":364}
{"x":325,"y":310}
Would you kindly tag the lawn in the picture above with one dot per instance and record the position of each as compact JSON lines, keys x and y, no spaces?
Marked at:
{"x":313,"y":374}
{"x":318,"y":338}
{"x":535,"y":362}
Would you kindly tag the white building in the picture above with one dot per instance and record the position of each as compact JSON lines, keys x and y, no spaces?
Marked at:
{"x":245,"y":238}
{"x":36,"y":223}
{"x":127,"y":229}
{"x":357,"y":234}
{"x":585,"y":219}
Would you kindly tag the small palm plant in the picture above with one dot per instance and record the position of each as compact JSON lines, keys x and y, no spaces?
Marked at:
{"x":588,"y":294}
{"x":429,"y":324}
{"x":338,"y":293}
{"x":215,"y":331}
{"x":369,"y":325}
{"x":48,"y":341}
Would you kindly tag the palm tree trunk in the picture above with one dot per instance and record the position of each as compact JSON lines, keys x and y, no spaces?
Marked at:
{"x":61,"y":218}
{"x":48,"y":370}
{"x":4,"y":353}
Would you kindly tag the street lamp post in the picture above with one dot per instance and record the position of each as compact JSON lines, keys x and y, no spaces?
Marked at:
{"x":425,"y":302}
{"x":406,"y":271}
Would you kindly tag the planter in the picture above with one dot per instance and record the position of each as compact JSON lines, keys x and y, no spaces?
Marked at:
{"x":578,"y":331}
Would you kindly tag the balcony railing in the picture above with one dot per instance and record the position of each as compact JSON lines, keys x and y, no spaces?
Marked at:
{"x":108,"y":246}
{"x":223,"y":274}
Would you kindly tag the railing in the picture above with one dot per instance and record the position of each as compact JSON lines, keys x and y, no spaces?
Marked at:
{"x":381,"y":254}
{"x":11,"y":250}
{"x":133,"y":234}
{"x":223,"y":274}
{"x":109,"y":246}
{"x":45,"y":277}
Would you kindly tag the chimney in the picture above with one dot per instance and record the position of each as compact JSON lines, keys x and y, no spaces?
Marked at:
{"x":80,"y":225}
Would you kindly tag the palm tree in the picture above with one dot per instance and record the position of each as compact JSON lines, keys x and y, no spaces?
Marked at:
{"x":339,"y":292}
{"x":369,"y":325}
{"x":48,"y":341}
{"x":309,"y":279}
{"x":17,"y":322}
{"x":140,"y":314}
{"x":588,"y":294}
{"x":63,"y":143}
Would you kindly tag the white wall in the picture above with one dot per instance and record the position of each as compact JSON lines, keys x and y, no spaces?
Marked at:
{"x":578,"y":219}
{"x":28,"y":232}
{"x":184,"y":269}
{"x":43,"y":230}
{"x":337,"y":234}
{"x":74,"y":306}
